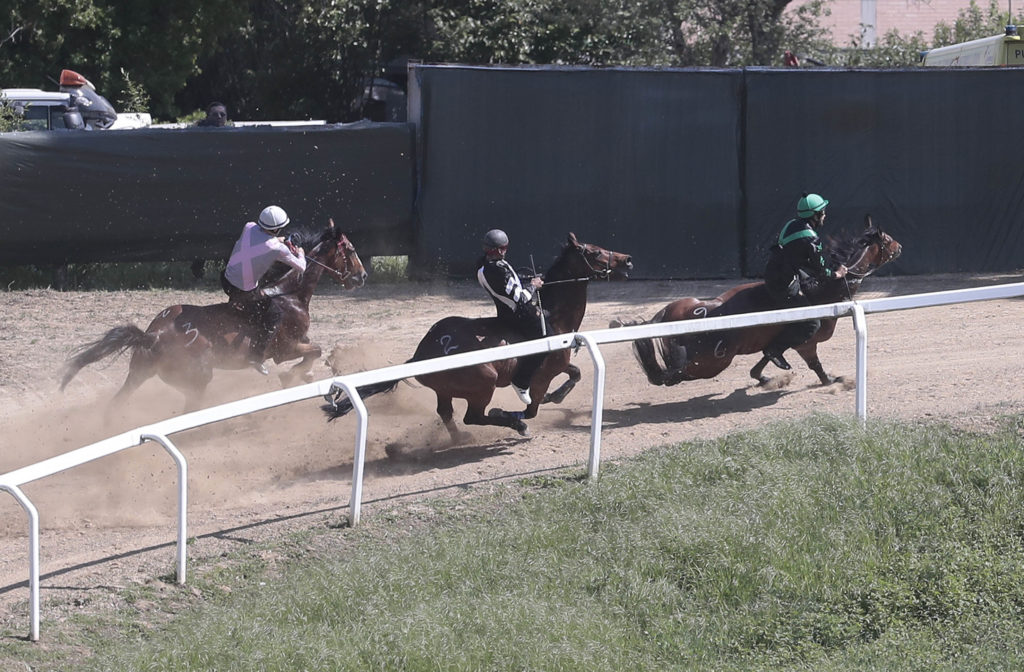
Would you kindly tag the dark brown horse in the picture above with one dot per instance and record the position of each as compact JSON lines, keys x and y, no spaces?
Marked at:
{"x":563,"y":296}
{"x":184,"y":344}
{"x":705,"y":355}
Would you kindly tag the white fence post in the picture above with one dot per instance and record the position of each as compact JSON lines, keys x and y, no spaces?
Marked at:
{"x":182,"y":464}
{"x":359,"y":454}
{"x":33,"y":557}
{"x":860,"y":327}
{"x":597,"y":412}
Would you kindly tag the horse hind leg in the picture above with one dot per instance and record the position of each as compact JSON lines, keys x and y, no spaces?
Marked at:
{"x":139,"y":371}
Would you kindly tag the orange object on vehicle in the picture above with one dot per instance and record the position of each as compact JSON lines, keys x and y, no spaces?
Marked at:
{"x":72,"y":78}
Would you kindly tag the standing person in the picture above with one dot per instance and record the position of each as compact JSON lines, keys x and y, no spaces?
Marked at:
{"x":798,"y":251}
{"x":255,"y":252}
{"x":514,"y":302}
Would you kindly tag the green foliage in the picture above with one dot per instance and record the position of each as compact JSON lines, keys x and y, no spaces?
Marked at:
{"x":109,"y":276}
{"x":314,"y":59}
{"x":812,"y":545}
{"x":389,"y":269}
{"x":9,"y":119}
{"x":133,"y":97}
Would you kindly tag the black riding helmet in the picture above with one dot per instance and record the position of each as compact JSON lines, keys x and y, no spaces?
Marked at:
{"x":494,"y":239}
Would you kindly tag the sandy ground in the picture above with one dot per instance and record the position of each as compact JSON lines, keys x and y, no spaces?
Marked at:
{"x":112,"y":522}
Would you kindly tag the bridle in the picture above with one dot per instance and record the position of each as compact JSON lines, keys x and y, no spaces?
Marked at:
{"x":595,"y":273}
{"x":872,"y":267}
{"x":341,"y":277}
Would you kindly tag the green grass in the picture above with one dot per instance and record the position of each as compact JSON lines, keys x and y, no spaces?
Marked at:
{"x":110,"y":276}
{"x":155,"y":275}
{"x":814,"y":545}
{"x":389,"y":269}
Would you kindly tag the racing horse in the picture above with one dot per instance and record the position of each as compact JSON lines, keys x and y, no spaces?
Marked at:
{"x":184,"y":344}
{"x":563,"y":297}
{"x":705,"y":355}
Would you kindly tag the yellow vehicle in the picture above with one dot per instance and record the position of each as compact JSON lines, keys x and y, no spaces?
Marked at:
{"x":999,"y":50}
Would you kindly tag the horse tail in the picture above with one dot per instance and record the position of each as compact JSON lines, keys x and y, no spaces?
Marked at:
{"x":340,"y":404}
{"x":646,"y":353}
{"x":115,"y":341}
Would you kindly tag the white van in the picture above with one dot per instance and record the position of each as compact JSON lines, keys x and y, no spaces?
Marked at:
{"x":76,"y":105}
{"x":999,"y":50}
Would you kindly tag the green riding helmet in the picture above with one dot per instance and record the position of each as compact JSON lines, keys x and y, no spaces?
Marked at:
{"x":810,"y":204}
{"x":494,"y":239}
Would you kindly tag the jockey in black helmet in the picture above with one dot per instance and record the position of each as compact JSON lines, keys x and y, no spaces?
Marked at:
{"x":516,"y":309}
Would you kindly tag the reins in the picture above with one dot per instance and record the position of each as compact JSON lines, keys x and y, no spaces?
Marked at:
{"x":338,"y":274}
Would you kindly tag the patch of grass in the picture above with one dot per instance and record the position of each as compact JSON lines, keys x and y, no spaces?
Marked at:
{"x":816,"y":545}
{"x":111,"y":276}
{"x":389,"y":269}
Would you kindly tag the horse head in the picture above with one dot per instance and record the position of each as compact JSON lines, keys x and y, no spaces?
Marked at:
{"x":338,"y":256}
{"x":873,"y":249}
{"x":599,"y":263}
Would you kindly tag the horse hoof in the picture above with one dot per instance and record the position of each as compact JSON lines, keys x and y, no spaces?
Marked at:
{"x":522,"y":429}
{"x":615,"y":324}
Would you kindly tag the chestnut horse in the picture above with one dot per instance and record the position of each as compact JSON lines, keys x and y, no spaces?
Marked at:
{"x":705,"y":355}
{"x":184,"y":344}
{"x":564,"y":298}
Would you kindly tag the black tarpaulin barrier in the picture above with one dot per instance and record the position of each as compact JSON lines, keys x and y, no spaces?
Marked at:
{"x":639,"y":161}
{"x":180,"y":194}
{"x":928,"y":153}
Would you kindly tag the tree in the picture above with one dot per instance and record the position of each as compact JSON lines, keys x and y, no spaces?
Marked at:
{"x":157,"y":42}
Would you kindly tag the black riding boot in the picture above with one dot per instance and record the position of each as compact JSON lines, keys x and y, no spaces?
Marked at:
{"x":264,"y":332}
{"x":792,"y":335}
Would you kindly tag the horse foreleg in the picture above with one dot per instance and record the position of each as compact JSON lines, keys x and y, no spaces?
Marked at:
{"x":303,"y":370}
{"x":558,"y":396}
{"x":809,"y":353}
{"x":475,"y":415}
{"x":757,"y":373}
{"x":446,"y":412}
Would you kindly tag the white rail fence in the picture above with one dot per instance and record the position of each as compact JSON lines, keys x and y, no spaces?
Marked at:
{"x":160,"y":431}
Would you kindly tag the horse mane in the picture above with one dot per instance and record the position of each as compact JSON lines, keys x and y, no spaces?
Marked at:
{"x":280,"y":279}
{"x":845,"y":249}
{"x":307,"y":239}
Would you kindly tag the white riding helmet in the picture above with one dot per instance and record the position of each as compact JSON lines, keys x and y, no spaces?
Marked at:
{"x":273,"y":218}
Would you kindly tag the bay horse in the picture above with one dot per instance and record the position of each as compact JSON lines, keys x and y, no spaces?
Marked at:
{"x":184,"y":344}
{"x":564,"y":298}
{"x":705,"y":355}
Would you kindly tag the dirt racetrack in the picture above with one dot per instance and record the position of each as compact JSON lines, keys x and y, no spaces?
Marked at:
{"x":112,"y":522}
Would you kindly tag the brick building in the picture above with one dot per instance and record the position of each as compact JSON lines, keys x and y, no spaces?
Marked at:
{"x":868,"y":19}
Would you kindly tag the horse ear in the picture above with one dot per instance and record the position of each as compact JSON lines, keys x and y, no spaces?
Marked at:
{"x":868,"y":224}
{"x":330,"y":223}
{"x":572,"y":240}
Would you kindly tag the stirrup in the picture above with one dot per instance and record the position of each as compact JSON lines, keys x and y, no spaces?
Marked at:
{"x":258,"y":366}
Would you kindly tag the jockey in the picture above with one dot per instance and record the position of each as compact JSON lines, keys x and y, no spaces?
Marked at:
{"x":516,"y":309}
{"x":798,"y":251}
{"x":257,"y":249}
